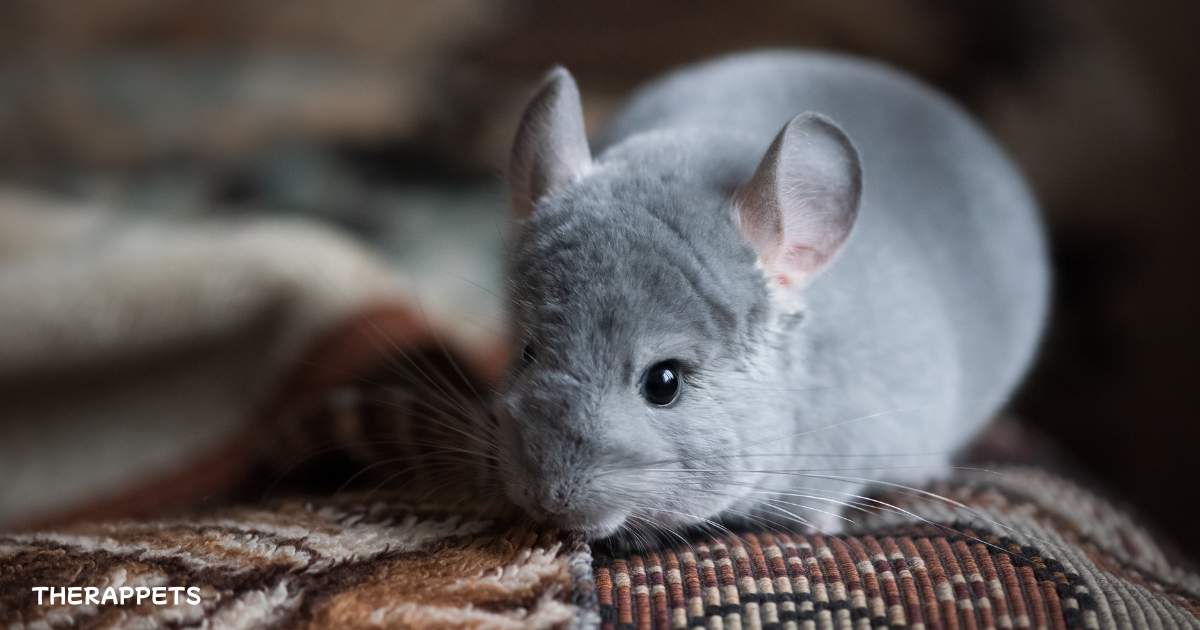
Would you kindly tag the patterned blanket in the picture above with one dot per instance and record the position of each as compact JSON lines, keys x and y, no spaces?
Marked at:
{"x":1014,"y":548}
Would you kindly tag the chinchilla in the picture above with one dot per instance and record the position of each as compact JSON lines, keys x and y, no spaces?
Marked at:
{"x":774,"y":279}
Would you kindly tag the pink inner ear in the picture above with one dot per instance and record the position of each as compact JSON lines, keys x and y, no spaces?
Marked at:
{"x":795,"y":264}
{"x":800,"y":258}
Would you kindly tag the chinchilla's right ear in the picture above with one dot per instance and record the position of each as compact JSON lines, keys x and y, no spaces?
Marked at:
{"x":551,"y":149}
{"x":799,"y":207}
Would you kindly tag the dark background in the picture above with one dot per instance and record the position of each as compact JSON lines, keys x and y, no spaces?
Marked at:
{"x":191,"y":105}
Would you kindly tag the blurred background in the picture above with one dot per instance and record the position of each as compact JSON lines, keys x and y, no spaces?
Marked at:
{"x":383,"y":116}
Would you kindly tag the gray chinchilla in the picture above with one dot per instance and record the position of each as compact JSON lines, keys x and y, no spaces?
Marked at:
{"x":780,"y":276}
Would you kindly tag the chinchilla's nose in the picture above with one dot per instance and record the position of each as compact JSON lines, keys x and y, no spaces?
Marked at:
{"x":575,"y":504}
{"x":556,"y":455}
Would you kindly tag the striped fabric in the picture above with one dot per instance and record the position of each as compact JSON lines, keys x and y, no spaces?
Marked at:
{"x":926,"y":578}
{"x":1018,"y":550}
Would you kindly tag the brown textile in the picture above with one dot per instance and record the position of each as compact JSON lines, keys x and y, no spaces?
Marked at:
{"x":1020,"y":549}
{"x":1016,"y":548}
{"x":339,"y":564}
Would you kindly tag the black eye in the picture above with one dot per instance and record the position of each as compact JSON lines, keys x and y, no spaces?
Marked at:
{"x":660,"y":383}
{"x":528,"y":355}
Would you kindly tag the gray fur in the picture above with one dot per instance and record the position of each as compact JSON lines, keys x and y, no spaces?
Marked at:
{"x":551,"y":150}
{"x":907,"y":343}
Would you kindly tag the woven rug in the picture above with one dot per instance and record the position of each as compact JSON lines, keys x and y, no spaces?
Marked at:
{"x":1013,"y":548}
{"x":344,"y":564}
{"x":918,"y":577}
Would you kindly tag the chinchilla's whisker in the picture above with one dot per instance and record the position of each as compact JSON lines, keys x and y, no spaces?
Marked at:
{"x":843,"y":423}
{"x":662,"y":462}
{"x":772,"y":497}
{"x":447,"y":421}
{"x":852,"y":504}
{"x":442,"y":345}
{"x":792,"y":515}
{"x":448,"y":392}
{"x":698,"y":519}
{"x":378,"y":339}
{"x":767,"y":503}
{"x":358,"y":378}
{"x":814,"y":525}
{"x":835,"y":425}
{"x":837,"y":515}
{"x":659,"y":508}
{"x":800,"y":472}
{"x":443,"y":389}
{"x":813,"y":474}
{"x":758,"y":521}
{"x":645,"y":539}
{"x":775,"y":439}
{"x":899,"y":510}
{"x":431,"y":490}
{"x":499,"y":320}
{"x":453,"y":399}
{"x":316,"y":450}
{"x":445,"y":352}
{"x":503,"y":240}
{"x":860,"y":502}
{"x":383,"y":462}
{"x":920,"y":494}
{"x":439,"y":448}
{"x":470,"y":282}
{"x":784,"y":391}
{"x":399,"y":394}
{"x":445,"y":480}
{"x":667,"y":530}
{"x":800,"y":519}
{"x":333,"y":445}
{"x":933,"y":496}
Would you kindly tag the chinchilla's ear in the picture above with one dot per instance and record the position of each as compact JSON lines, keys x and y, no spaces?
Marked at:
{"x":799,"y":207}
{"x":551,"y":148}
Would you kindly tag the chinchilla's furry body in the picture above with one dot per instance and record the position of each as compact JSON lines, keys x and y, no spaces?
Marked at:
{"x":846,"y":301}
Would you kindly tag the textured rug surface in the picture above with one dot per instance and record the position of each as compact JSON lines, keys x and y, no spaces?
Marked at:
{"x":338,"y":565}
{"x":918,"y":577}
{"x":1016,"y":548}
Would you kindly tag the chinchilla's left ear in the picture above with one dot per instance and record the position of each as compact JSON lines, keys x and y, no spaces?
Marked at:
{"x":551,"y":148}
{"x":799,"y":207}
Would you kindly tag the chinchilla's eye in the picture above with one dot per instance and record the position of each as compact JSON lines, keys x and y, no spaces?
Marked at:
{"x":528,"y":354}
{"x":660,"y":383}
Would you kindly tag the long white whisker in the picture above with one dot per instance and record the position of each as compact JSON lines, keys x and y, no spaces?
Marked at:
{"x":934,"y":496}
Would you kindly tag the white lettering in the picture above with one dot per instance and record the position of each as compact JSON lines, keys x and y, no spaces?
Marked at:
{"x":92,"y":595}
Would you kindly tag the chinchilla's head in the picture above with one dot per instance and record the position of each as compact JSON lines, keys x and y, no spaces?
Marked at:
{"x":646,"y":288}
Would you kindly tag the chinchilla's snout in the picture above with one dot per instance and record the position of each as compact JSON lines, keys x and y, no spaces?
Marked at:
{"x":570,"y":502}
{"x":553,"y":461}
